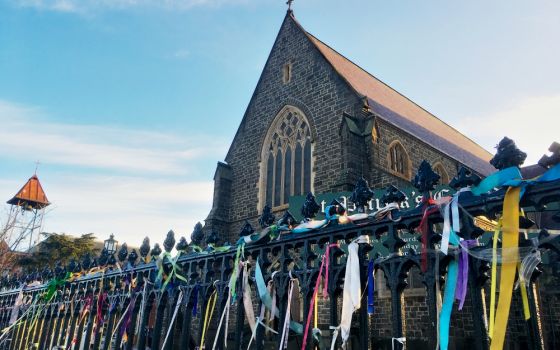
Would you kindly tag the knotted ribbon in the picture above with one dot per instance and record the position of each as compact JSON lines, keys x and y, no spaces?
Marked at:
{"x":386,"y":212}
{"x":271,"y":231}
{"x":175,"y":269}
{"x":53,"y":286}
{"x":510,"y":177}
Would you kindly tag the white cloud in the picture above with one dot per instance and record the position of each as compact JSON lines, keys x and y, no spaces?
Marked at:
{"x":533,"y":124}
{"x":129,"y":207}
{"x":24,"y":135}
{"x":87,"y":6}
{"x":104,"y":179}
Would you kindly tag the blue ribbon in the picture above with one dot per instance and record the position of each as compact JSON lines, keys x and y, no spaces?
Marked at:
{"x":497,"y":179}
{"x":371,"y":288}
{"x":448,"y":297}
{"x":267,"y":299}
{"x":551,"y":174}
{"x":511,"y":177}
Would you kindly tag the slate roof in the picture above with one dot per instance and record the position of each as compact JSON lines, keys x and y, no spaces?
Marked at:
{"x":398,"y":110}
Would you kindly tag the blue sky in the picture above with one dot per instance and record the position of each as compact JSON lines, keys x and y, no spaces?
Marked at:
{"x":128,"y":104}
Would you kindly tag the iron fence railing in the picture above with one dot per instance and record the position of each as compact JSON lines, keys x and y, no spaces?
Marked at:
{"x":117,"y":302}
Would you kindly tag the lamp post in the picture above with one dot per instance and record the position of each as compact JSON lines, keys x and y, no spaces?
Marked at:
{"x":111,"y":245}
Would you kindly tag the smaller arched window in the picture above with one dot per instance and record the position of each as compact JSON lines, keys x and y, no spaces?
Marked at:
{"x":440,"y":170}
{"x":399,"y":163}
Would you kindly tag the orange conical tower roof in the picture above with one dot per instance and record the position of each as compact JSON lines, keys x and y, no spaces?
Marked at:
{"x":31,"y":195}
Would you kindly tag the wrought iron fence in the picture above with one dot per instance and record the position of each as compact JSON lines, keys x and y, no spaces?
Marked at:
{"x":163,"y":302}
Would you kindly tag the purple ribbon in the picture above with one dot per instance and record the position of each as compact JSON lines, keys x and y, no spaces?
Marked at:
{"x":128,"y":317}
{"x":371,"y":286}
{"x":463,"y":276}
{"x":195,"y":299}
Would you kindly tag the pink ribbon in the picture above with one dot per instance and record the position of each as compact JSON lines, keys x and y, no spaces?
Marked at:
{"x":423,"y":229}
{"x":324,"y":262}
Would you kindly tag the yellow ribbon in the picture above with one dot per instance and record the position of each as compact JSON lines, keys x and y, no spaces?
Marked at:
{"x":510,"y":256}
{"x":493,"y":280}
{"x":316,"y":316}
{"x":209,"y":311}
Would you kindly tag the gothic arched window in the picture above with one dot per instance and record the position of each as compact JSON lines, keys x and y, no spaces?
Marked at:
{"x":286,"y":161}
{"x":399,"y":163}
{"x":440,"y":170}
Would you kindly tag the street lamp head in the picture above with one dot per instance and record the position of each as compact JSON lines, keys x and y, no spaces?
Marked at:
{"x":111,"y":244}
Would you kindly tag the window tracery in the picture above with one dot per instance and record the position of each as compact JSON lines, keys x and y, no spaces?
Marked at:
{"x":286,"y":159}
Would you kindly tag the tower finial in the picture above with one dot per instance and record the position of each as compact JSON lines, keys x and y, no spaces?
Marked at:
{"x":289,"y":3}
{"x":37,"y":163}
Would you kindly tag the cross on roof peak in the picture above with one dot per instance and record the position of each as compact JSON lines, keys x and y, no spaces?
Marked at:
{"x":289,"y":3}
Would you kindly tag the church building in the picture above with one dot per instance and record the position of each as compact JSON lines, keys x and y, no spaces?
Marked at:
{"x":317,"y":122}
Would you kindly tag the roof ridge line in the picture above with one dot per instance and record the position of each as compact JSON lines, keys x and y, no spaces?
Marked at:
{"x":387,"y":85}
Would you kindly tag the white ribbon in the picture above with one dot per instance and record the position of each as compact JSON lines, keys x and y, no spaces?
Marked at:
{"x":225,"y":314}
{"x":286,"y":327}
{"x":351,"y":294}
{"x":401,"y":340}
{"x":446,"y":230}
{"x":141,"y":314}
{"x":451,"y":219}
{"x":335,"y":335}
{"x":247,"y":302}
{"x":17,"y":305}
{"x":83,"y":339}
{"x":170,"y":326}
{"x":385,"y":211}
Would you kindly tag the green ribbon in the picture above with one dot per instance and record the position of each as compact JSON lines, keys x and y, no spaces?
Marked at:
{"x":53,"y":285}
{"x":222,"y":249}
{"x":175,"y":269}
{"x":234,"y":276}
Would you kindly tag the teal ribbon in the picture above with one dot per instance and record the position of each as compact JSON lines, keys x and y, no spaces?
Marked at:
{"x":511,"y":177}
{"x":306,"y":226}
{"x":448,"y":297}
{"x":271,"y":231}
{"x":551,"y":174}
{"x":497,"y":179}
{"x":267,"y":299}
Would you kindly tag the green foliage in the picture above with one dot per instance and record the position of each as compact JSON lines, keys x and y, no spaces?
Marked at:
{"x":59,"y":247}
